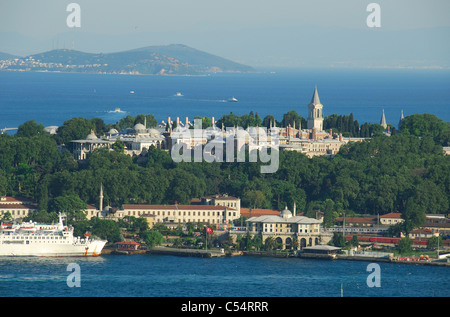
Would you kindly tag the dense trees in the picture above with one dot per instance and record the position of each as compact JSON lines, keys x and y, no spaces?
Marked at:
{"x":427,"y":125}
{"x":401,"y":173}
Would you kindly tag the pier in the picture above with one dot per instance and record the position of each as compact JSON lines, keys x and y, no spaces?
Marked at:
{"x":186,"y":252}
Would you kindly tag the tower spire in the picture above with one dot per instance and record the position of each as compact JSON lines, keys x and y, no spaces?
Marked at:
{"x":315,"y":98}
{"x":101,"y":197}
{"x":383,"y":121}
{"x":315,"y":108}
{"x":401,"y":119}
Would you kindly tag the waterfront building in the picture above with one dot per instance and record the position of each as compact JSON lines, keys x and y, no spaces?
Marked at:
{"x":17,"y":207}
{"x":288,"y":230}
{"x":222,"y":200}
{"x":422,"y":234}
{"x":391,"y":218}
{"x":180,"y":214}
{"x":128,"y":245}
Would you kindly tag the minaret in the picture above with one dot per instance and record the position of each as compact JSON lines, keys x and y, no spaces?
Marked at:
{"x":383,"y":121}
{"x":101,"y":197}
{"x":315,"y":116}
{"x":401,"y":119}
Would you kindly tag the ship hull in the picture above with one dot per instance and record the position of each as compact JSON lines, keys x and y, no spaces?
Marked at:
{"x":93,"y":248}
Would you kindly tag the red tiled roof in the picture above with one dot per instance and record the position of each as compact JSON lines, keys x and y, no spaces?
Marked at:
{"x":18,"y":206}
{"x":356,"y":219}
{"x":255,"y":212}
{"x":220,"y":197}
{"x":392,"y":215}
{"x":175,"y":207}
{"x":422,"y":231}
{"x":15,"y":200}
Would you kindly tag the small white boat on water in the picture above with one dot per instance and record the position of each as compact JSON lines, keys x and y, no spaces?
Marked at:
{"x":232,"y":99}
{"x":116,"y":110}
{"x":179,"y":94}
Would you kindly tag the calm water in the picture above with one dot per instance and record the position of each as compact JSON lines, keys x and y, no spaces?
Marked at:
{"x":170,"y":276}
{"x":52,"y":98}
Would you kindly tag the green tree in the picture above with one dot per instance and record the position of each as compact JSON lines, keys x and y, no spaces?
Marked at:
{"x":338,"y":240}
{"x":269,"y":244}
{"x":434,"y":242}
{"x":118,"y":146}
{"x":30,"y":128}
{"x":293,"y":118}
{"x":257,"y":242}
{"x":71,"y":205}
{"x":77,"y":129}
{"x":106,"y":229}
{"x":426,"y":124}
{"x":254,"y":199}
{"x":404,"y":246}
{"x":152,"y":238}
{"x":354,"y":241}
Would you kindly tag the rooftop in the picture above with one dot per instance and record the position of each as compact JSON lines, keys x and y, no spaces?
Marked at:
{"x":175,"y":207}
{"x":392,"y":215}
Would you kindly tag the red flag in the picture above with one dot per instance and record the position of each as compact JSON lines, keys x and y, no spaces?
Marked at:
{"x":209,"y":230}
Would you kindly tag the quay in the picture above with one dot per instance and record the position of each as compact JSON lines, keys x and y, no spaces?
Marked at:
{"x":186,"y":252}
{"x":322,"y":253}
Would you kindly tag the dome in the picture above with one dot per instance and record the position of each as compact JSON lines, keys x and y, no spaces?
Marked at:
{"x":113,"y":131}
{"x":154,"y":132}
{"x":139,"y":127}
{"x":91,"y":136}
{"x":286,"y":213}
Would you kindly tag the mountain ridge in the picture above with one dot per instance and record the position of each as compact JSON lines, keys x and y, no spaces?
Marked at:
{"x":172,"y":59}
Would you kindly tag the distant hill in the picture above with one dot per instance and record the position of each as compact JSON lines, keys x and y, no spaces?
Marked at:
{"x":175,"y":59}
{"x":6,"y":56}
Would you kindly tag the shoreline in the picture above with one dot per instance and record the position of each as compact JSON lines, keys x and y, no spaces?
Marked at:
{"x":216,"y":254}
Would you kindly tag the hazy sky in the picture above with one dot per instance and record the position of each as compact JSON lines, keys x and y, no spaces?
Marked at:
{"x":48,"y":17}
{"x":194,"y":22}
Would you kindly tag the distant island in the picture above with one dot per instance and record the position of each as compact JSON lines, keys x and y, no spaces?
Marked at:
{"x":174,"y":59}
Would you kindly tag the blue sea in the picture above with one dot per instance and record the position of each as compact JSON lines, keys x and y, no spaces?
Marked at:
{"x":52,"y":98}
{"x":242,"y":276}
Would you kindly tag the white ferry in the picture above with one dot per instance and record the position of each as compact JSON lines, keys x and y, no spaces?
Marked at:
{"x":33,"y":239}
